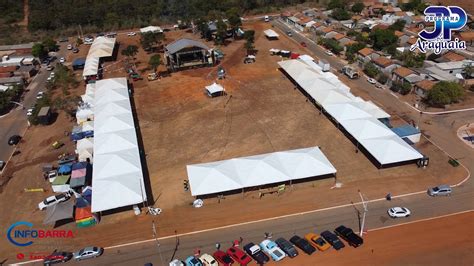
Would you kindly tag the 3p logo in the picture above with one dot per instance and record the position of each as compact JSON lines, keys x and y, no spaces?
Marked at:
{"x":446,"y":20}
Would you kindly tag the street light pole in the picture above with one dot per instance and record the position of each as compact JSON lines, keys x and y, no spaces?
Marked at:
{"x":364,"y":204}
{"x":157,"y":242}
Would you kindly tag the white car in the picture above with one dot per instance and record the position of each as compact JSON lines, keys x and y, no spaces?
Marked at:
{"x":52,"y":74}
{"x":371,"y":80}
{"x":69,"y":46}
{"x":29,"y":112}
{"x":398,"y":212}
{"x":132,"y":33}
{"x":50,"y":67}
{"x":39,"y":95}
{"x":329,"y":53}
{"x":272,"y":249}
{"x":53,"y":200}
{"x":208,"y":260}
{"x":88,"y":253}
{"x":62,"y":60}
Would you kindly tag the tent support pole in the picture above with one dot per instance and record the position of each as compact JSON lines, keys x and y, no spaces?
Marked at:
{"x":242,"y":192}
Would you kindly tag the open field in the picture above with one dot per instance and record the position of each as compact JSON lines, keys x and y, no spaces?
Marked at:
{"x":180,"y":125}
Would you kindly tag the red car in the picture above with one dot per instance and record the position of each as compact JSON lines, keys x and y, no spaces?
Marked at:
{"x":223,"y":258}
{"x":239,"y":256}
{"x":303,"y":44}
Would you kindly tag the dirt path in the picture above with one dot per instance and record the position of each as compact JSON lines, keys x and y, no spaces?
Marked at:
{"x":26,"y":14}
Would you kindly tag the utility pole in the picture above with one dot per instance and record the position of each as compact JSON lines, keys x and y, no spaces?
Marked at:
{"x":157,"y":242}
{"x":364,"y":204}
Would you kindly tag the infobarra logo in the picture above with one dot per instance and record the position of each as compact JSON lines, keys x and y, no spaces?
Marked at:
{"x":14,"y":234}
{"x":446,"y":20}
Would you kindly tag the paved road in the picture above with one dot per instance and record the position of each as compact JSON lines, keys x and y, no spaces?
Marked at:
{"x":15,"y":123}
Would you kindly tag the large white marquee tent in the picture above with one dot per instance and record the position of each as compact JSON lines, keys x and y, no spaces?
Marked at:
{"x":239,"y":173}
{"x":101,"y":47}
{"x":117,"y":178}
{"x":358,"y":117}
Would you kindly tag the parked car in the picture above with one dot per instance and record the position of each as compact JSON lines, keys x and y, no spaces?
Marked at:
{"x":132,"y":33}
{"x":442,"y":190}
{"x":349,"y":236}
{"x":69,"y":46}
{"x":52,"y":200}
{"x":29,"y":112}
{"x":332,"y":239}
{"x":239,"y":256}
{"x":302,"y":244}
{"x":317,"y":241}
{"x":378,"y":86}
{"x":208,"y":260}
{"x":398,"y":212}
{"x":289,"y":33}
{"x":50,"y":67}
{"x":223,"y":258}
{"x":14,"y":140}
{"x":40,"y":94}
{"x":57,"y":257}
{"x":63,"y":39}
{"x":193,"y":261}
{"x":2,"y":165}
{"x":287,"y":247}
{"x":67,"y":159}
{"x":62,"y":60}
{"x":52,"y":175}
{"x":371,"y":80}
{"x":329,"y":53}
{"x":75,"y":50}
{"x":88,"y":253}
{"x":256,"y":253}
{"x":174,"y":262}
{"x":272,"y":249}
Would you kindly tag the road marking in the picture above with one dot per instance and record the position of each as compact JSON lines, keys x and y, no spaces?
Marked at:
{"x":421,"y":220}
{"x":394,"y":95}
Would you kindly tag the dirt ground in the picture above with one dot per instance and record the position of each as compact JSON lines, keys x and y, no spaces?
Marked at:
{"x":180,"y":125}
{"x":423,"y":243}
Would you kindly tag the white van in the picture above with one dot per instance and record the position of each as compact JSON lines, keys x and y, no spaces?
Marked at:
{"x":267,"y":18}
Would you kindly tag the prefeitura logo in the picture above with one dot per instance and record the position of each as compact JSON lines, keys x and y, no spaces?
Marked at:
{"x":19,"y":236}
{"x":446,"y":20}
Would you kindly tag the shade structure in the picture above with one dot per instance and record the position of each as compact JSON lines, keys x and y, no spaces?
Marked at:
{"x":101,"y":47}
{"x":85,"y":144}
{"x":60,"y":211}
{"x":117,"y":174}
{"x":238,"y":173}
{"x":153,"y":29}
{"x":357,"y":116}
{"x":84,"y":113}
{"x":214,"y":88}
{"x":271,"y":33}
{"x":84,"y":156}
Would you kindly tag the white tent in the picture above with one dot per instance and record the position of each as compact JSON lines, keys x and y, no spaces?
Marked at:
{"x":91,"y":66}
{"x":88,"y":126}
{"x":214,"y":88}
{"x":153,"y":29}
{"x":83,"y":114}
{"x":101,"y":47}
{"x":84,"y":155}
{"x":85,"y":144}
{"x":239,"y":173}
{"x":117,"y":176}
{"x":271,"y":33}
{"x":389,"y":150}
{"x":357,"y":116}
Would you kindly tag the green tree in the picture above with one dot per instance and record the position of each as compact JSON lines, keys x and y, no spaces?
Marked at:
{"x":382,"y":38}
{"x":354,"y":48}
{"x":221,"y":32}
{"x":154,"y":62}
{"x":371,"y":70}
{"x":340,"y":14}
{"x":38,"y":50}
{"x":249,"y":36}
{"x":335,"y":4}
{"x":411,"y":59}
{"x":398,"y":25}
{"x":382,"y":78}
{"x":357,"y":7}
{"x":468,"y":70}
{"x":50,"y":45}
{"x":445,"y":92}
{"x":234,"y":20}
{"x":332,"y":45}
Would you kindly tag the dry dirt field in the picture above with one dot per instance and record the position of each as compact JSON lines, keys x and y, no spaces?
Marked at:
{"x":180,"y":125}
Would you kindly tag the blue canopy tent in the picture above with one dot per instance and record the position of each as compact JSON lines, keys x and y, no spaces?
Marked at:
{"x":65,"y":169}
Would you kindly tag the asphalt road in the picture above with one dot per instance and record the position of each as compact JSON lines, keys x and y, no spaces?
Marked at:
{"x":16,"y":122}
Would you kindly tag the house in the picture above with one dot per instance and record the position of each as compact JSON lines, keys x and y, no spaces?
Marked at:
{"x":326,"y":31}
{"x":454,"y":68}
{"x":26,"y":71}
{"x":384,"y":64}
{"x":186,"y":53}
{"x":11,"y":81}
{"x":19,"y":49}
{"x":402,"y":38}
{"x":7,"y":71}
{"x":366,"y":55}
{"x":450,"y":56}
{"x":422,"y":88}
{"x":331,"y":34}
{"x":310,"y":13}
{"x":401,"y":73}
{"x":292,"y":21}
{"x":301,"y":23}
{"x":346,"y":41}
{"x":467,"y":36}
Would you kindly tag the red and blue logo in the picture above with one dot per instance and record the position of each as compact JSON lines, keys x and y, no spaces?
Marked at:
{"x":17,"y":235}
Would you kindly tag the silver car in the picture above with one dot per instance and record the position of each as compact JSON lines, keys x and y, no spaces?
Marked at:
{"x":88,"y":253}
{"x":442,"y":190}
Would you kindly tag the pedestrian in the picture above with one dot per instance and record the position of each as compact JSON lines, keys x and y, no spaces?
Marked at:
{"x":218,"y":245}
{"x":241,"y":240}
{"x":266,"y":235}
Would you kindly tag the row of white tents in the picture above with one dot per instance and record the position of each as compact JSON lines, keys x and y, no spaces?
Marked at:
{"x":101,"y":47}
{"x":252,"y":171}
{"x":358,"y":117}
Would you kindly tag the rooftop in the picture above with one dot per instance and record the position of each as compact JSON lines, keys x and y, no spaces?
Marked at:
{"x":338,"y":36}
{"x":16,"y":46}
{"x":453,"y":57}
{"x":184,"y":43}
{"x":5,"y":69}
{"x":366,"y":51}
{"x":383,"y":61}
{"x":425,"y":84}
{"x":399,"y":33}
{"x":403,"y":71}
{"x":467,"y":35}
